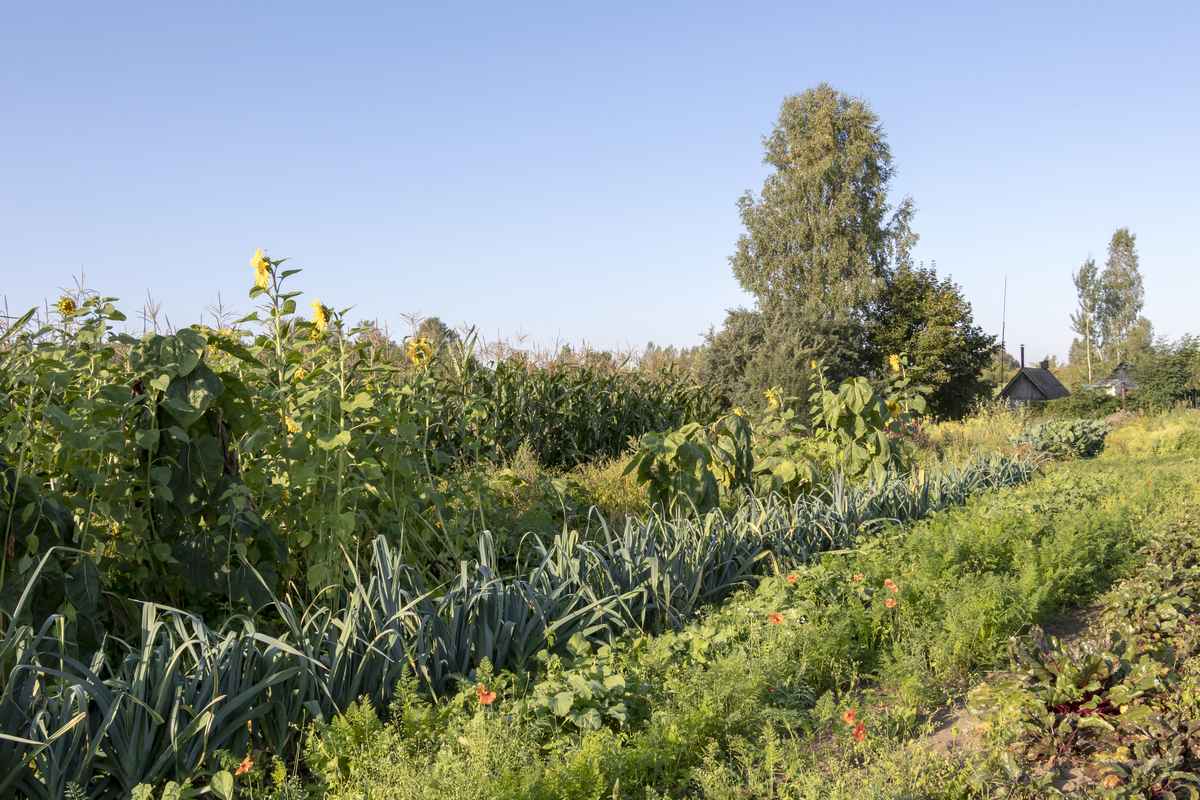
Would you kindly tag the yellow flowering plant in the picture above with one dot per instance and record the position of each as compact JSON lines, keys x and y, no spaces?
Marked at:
{"x":864,"y":424}
{"x":419,"y":351}
{"x":262,"y":269}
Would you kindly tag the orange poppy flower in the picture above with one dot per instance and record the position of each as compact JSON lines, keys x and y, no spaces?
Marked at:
{"x":860,"y":732}
{"x":486,"y":698}
{"x":857,"y":577}
{"x":890,"y":602}
{"x":891,"y":586}
{"x":775,"y":618}
{"x":792,"y":578}
{"x":244,"y":767}
{"x":849,"y":716}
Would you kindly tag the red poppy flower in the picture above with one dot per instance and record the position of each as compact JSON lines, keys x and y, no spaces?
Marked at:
{"x":891,"y":586}
{"x":244,"y":767}
{"x":890,"y":602}
{"x":486,"y":698}
{"x":775,"y":618}
{"x":792,"y":578}
{"x":849,"y":716}
{"x":860,"y":732}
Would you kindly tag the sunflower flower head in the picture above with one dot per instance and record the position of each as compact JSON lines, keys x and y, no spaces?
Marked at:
{"x":419,"y":351}
{"x":894,"y":362}
{"x":66,"y":306}
{"x":262,"y":269}
{"x":320,"y":316}
{"x":774,"y":399}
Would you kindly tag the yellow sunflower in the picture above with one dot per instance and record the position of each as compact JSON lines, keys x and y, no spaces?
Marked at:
{"x":894,"y":362}
{"x":774,"y":400}
{"x":66,"y":306}
{"x":320,"y":316}
{"x":419,"y":351}
{"x":262,"y":269}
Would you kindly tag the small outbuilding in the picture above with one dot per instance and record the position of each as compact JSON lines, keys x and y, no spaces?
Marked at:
{"x":1118,"y":384}
{"x":1033,"y":385}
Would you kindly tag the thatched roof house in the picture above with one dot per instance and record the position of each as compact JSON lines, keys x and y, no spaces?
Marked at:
{"x":1033,"y":385}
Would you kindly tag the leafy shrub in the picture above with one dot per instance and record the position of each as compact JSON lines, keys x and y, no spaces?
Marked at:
{"x":1078,"y":438}
{"x":863,"y":426}
{"x":686,"y":469}
{"x":855,"y":430}
{"x":1081,"y":403}
{"x":1168,"y":375}
{"x":587,"y":694}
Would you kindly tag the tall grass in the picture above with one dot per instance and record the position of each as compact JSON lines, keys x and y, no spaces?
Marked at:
{"x":993,"y":428}
{"x":1158,"y":434}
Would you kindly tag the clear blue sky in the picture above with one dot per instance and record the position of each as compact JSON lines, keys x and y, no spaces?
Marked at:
{"x":569,"y":171}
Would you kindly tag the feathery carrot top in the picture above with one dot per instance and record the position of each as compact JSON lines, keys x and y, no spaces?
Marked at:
{"x":775,"y":618}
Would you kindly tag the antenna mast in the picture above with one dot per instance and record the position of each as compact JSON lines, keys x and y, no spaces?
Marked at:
{"x":1004,"y":313}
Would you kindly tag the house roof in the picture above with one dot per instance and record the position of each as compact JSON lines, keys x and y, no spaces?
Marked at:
{"x":1042,"y":379}
{"x":1120,"y":378}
